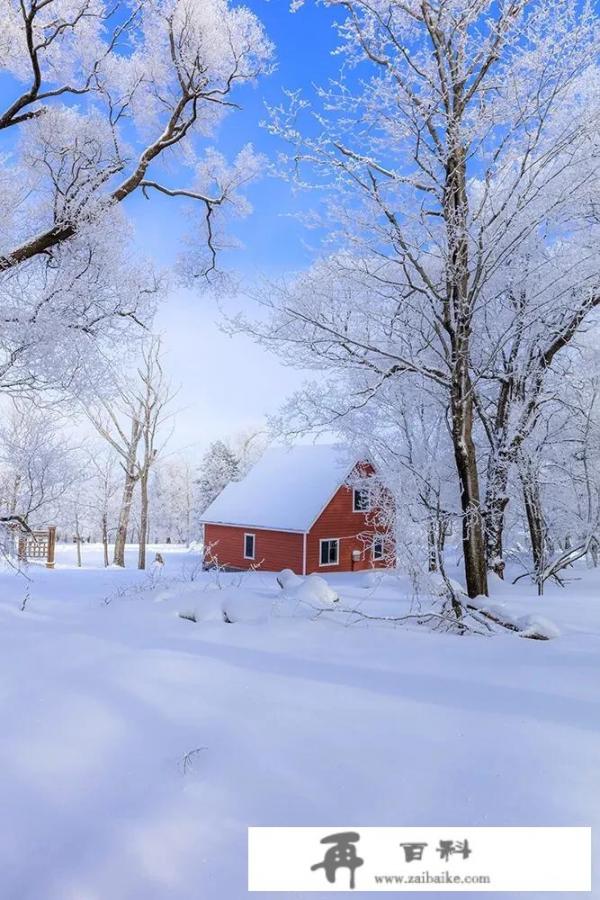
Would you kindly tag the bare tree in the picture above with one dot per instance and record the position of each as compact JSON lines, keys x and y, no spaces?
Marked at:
{"x":130,"y":422}
{"x":468,"y":144}
{"x":188,"y":57}
{"x":560,"y":479}
{"x":119,"y":422}
{"x":104,"y":488}
{"x":97,"y":95}
{"x":154,"y":396}
{"x":39,"y":464}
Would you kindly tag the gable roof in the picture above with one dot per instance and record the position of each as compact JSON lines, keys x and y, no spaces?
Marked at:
{"x":286,"y":490}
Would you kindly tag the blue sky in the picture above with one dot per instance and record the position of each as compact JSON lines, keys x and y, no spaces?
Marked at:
{"x":272,"y":239}
{"x":227,"y":382}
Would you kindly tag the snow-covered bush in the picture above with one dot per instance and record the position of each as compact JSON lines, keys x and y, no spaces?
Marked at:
{"x":537,"y":626}
{"x":302,"y":597}
{"x":314,"y":592}
{"x":239,"y":605}
{"x":288,"y":579}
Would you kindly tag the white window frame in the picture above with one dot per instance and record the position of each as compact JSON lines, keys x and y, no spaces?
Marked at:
{"x":355,"y":491}
{"x":251,"y":534}
{"x":337,"y":555}
{"x":378,"y":537}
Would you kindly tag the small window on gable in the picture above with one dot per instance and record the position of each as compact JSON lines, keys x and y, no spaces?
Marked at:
{"x":378,"y":547}
{"x":361,"y":501}
{"x":330,"y":552}
{"x":249,"y":541}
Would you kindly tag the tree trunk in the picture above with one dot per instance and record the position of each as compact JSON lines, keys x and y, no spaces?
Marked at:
{"x":458,"y":324}
{"x":502,"y":457}
{"x":437,"y":530}
{"x":535,"y":519}
{"x":12,"y":509}
{"x":125,"y":511}
{"x":472,"y":528}
{"x":105,"y":538}
{"x":188,"y":523}
{"x":431,"y":548}
{"x":496,"y":501}
{"x":78,"y":541}
{"x":143,"y":521}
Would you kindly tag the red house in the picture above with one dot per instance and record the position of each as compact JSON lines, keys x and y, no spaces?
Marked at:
{"x":296,"y":509}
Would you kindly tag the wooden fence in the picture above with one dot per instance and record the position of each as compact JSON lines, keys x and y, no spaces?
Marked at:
{"x":38,"y":545}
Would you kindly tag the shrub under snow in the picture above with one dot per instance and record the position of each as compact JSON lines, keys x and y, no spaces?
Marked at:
{"x":239,"y":605}
{"x":537,"y":625}
{"x":315,"y":590}
{"x":288,"y":579}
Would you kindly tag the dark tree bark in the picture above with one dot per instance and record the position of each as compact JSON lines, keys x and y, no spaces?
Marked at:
{"x":143,"y":538}
{"x":78,"y":540}
{"x":431,"y":547}
{"x":472,"y":523}
{"x":437,"y":530}
{"x":105,"y":538}
{"x":457,"y":320}
{"x":535,"y":517}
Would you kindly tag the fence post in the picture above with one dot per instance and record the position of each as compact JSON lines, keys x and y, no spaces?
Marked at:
{"x":51,"y":546}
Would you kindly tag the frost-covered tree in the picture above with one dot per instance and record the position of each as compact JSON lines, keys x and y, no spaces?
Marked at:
{"x":131,"y":421}
{"x":39,"y":464}
{"x":101,"y":91}
{"x":103,"y":489}
{"x":118,"y":421}
{"x":558,"y":472}
{"x":181,"y":489}
{"x":173,"y":493}
{"x":458,"y":156}
{"x":106,"y":100}
{"x":247,"y":445}
{"x":64,"y":314}
{"x":154,"y":395}
{"x":219,"y":466}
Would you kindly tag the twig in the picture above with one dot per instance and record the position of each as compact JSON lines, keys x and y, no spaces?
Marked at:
{"x":187,"y":761}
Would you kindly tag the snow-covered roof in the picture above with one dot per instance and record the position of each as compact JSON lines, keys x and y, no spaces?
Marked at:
{"x":286,"y":490}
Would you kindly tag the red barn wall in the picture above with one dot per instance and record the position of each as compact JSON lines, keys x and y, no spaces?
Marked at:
{"x":273,"y":550}
{"x":338,"y":520}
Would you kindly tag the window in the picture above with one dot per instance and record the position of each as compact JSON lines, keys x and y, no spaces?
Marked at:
{"x":249,"y":540}
{"x":378,"y":547}
{"x":361,"y":502}
{"x":330,"y":552}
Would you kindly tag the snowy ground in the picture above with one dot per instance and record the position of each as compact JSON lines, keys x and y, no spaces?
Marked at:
{"x":286,"y":721}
